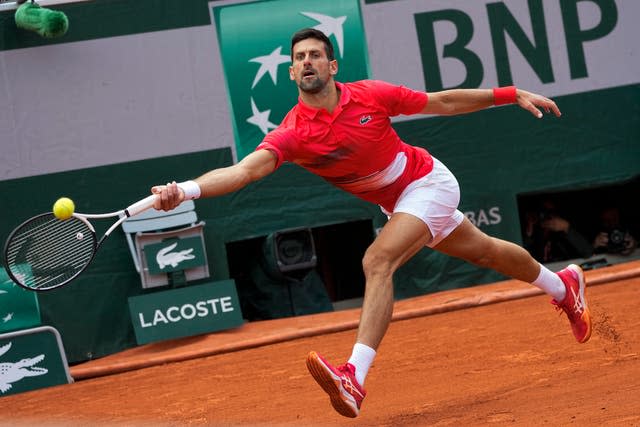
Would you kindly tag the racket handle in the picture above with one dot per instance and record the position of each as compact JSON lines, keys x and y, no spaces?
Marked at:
{"x":141,"y":206}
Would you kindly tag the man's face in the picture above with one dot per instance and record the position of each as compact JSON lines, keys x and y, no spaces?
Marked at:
{"x":311,"y":69}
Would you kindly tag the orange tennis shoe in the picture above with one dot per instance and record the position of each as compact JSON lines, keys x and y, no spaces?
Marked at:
{"x":339,"y":383}
{"x":574,"y":303}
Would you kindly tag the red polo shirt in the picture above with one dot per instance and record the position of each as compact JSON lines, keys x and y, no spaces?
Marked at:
{"x":355,"y":148}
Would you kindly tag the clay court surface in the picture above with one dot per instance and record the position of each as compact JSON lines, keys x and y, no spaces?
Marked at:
{"x":511,"y":362}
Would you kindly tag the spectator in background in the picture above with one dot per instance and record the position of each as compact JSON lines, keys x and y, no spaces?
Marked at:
{"x":549,"y":237}
{"x":613,"y":236}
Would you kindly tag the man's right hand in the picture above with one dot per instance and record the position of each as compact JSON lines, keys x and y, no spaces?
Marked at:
{"x":170,"y":196}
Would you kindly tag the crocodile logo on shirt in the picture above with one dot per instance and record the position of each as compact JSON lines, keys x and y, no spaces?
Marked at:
{"x":365,"y":119}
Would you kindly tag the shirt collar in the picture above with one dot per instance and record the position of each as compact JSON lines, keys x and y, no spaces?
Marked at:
{"x":311,"y":113}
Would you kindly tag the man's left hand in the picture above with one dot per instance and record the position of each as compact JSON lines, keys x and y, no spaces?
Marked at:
{"x":533,"y":102}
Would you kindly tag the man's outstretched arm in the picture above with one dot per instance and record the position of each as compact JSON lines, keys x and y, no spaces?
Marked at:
{"x":219,"y":181}
{"x":460,"y":101}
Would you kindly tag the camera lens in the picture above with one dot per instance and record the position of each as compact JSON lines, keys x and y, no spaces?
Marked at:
{"x":616,"y":237}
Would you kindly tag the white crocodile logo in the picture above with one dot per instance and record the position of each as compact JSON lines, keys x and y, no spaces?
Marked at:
{"x":165,"y":257}
{"x":14,"y":372}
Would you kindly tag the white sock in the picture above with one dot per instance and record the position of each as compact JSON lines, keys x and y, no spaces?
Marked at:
{"x":362,"y":358}
{"x":550,"y":282}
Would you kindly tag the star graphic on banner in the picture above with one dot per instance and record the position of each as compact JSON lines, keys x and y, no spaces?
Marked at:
{"x":260,"y":118}
{"x":329,"y":25}
{"x":269,"y":63}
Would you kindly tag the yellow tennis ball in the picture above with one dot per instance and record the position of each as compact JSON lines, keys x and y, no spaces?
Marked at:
{"x":63,"y":208}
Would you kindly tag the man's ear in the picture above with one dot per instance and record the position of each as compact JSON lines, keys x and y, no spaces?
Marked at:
{"x":292,"y":76}
{"x":333,"y":67}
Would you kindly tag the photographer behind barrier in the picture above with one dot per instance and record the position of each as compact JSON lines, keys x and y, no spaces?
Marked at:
{"x":613,"y":237}
{"x":550,"y":237}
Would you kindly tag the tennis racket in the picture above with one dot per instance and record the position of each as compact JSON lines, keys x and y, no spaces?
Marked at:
{"x":45,"y":253}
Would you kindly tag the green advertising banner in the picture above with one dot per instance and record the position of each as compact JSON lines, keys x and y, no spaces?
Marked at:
{"x":18,"y":307}
{"x":174,"y":255}
{"x":31,"y":359}
{"x":255,"y":47}
{"x":187,"y":311}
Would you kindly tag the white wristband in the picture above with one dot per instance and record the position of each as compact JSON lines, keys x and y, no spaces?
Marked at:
{"x":191,"y":189}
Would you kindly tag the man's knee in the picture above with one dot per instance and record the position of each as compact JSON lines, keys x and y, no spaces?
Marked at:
{"x":376,"y":262}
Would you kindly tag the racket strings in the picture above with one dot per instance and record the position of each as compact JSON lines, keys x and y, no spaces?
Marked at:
{"x":46,"y":251}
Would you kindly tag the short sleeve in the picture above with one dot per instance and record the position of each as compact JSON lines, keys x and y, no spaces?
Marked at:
{"x":398,"y":99}
{"x":278,"y":141}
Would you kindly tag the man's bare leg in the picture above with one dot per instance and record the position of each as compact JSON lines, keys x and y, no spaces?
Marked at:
{"x":401,"y":238}
{"x":469,"y":243}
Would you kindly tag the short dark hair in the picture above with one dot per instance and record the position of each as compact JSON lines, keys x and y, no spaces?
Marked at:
{"x":312,"y":33}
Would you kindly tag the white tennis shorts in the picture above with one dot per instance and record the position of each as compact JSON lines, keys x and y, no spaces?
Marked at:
{"x":434,"y":199}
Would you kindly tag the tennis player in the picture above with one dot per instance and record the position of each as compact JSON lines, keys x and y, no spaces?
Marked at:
{"x":342,"y":132}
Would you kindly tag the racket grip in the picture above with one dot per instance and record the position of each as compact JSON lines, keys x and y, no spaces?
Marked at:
{"x":141,"y":206}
